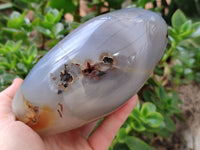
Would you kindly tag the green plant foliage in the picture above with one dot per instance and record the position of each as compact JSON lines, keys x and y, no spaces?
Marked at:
{"x":17,"y":27}
{"x":116,"y":4}
{"x":135,"y":143}
{"x":16,"y":60}
{"x":184,"y":49}
{"x":144,"y":117}
{"x":142,"y":3}
{"x":178,"y":19}
{"x":49,"y":24}
{"x":126,"y":141}
{"x":151,"y":118}
{"x":69,"y":6}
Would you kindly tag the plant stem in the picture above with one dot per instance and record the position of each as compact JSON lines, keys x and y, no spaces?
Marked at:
{"x":169,"y":52}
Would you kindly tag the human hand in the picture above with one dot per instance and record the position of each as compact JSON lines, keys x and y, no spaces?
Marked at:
{"x":17,"y":135}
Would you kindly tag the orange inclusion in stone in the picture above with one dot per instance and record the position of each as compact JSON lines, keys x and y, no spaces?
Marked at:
{"x":45,"y":119}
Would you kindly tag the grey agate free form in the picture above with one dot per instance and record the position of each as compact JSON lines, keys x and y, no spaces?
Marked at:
{"x":92,"y":71}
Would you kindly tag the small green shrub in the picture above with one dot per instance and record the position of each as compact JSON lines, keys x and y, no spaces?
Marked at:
{"x":149,"y":120}
{"x":183,"y":51}
{"x":16,"y":61}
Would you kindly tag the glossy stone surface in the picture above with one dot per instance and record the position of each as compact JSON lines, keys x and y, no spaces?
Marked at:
{"x":92,"y":71}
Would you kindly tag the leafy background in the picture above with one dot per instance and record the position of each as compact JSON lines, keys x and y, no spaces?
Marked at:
{"x":30,"y":28}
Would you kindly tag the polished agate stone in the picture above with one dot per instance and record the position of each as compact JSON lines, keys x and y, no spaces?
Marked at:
{"x":93,"y":71}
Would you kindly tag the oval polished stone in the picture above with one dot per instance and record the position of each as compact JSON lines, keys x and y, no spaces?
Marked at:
{"x":92,"y":71}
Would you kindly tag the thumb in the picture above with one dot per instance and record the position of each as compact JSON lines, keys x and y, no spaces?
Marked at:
{"x":6,"y":97}
{"x":11,"y":90}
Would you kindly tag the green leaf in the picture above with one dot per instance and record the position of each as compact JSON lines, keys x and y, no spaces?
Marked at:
{"x":22,"y":67}
{"x":50,"y":18}
{"x":147,"y":108}
{"x":175,"y":109}
{"x":11,"y":46}
{"x":119,"y":146}
{"x":136,"y":144}
{"x":32,"y":50}
{"x":186,"y":26}
{"x":20,"y":36}
{"x":121,"y":135}
{"x":67,"y":5}
{"x":16,"y":20}
{"x":53,"y":15}
{"x":169,"y":124}
{"x":115,"y":3}
{"x":44,"y":31}
{"x":135,"y":113}
{"x":172,"y":32}
{"x":161,"y":93}
{"x":147,"y":95}
{"x":16,"y":23}
{"x":10,"y":30}
{"x":59,"y":16}
{"x":46,"y":24}
{"x":5,"y":65}
{"x":196,"y":28}
{"x":178,"y":19}
{"x":72,"y":26}
{"x":57,"y":29}
{"x":52,"y":42}
{"x":88,"y":17}
{"x":154,"y":119}
{"x":2,"y":59}
{"x":7,"y":78}
{"x":159,"y":71}
{"x":163,"y":132}
{"x":186,"y":34}
{"x":137,"y":125}
{"x":138,"y":105}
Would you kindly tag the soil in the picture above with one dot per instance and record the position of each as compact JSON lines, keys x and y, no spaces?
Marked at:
{"x":187,"y":132}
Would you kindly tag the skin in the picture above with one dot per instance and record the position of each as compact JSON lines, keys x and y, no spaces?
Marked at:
{"x":17,"y":135}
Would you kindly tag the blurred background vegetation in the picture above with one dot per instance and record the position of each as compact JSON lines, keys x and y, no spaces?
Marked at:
{"x":30,"y":28}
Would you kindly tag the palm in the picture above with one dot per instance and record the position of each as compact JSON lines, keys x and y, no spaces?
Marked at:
{"x":17,"y":135}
